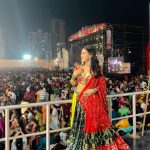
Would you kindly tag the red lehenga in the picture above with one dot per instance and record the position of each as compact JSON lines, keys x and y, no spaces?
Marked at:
{"x":92,"y":128}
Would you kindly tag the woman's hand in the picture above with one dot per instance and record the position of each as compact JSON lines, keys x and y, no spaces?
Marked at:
{"x":77,"y":71}
{"x":89,"y":92}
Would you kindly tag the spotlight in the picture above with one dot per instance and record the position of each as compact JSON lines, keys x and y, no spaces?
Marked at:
{"x":27,"y":56}
{"x":35,"y":58}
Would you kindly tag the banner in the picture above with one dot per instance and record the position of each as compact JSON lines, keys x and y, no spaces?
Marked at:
{"x":74,"y":37}
{"x":114,"y":64}
{"x":118,"y":66}
{"x":148,"y":57}
{"x":86,"y":31}
{"x":125,"y":68}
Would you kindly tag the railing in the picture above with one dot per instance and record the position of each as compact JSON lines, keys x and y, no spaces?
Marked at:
{"x":134,"y":115}
{"x":48,"y":131}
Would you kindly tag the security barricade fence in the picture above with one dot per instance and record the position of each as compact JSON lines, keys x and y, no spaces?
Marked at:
{"x":47,"y":104}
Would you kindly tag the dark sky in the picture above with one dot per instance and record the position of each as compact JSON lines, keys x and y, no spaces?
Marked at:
{"x":18,"y":17}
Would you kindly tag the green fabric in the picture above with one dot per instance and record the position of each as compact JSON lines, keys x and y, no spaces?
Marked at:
{"x":123,"y":111}
{"x":78,"y":140}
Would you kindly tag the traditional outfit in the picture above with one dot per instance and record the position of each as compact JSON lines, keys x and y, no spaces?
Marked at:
{"x":92,"y":128}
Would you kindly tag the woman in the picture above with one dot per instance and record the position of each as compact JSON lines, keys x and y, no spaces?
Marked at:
{"x":92,"y":128}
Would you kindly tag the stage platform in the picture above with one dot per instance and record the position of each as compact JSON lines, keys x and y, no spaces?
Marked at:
{"x":140,"y":144}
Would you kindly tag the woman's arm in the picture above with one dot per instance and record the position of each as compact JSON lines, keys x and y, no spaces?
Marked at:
{"x":94,"y":90}
{"x":90,"y":91}
{"x":99,"y":86}
{"x":73,"y":81}
{"x":77,"y":71}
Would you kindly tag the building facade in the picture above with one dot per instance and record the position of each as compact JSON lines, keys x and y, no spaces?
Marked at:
{"x":57,"y":30}
{"x":2,"y":44}
{"x":39,"y":43}
{"x":44,"y":44}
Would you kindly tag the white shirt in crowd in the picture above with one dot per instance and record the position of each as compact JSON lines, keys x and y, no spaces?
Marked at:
{"x":54,"y":120}
{"x":63,"y":137}
{"x":57,"y":98}
{"x":14,"y":147}
{"x":42,"y":94}
{"x":12,"y":96}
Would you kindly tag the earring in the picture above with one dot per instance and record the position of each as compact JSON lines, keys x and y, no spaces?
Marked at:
{"x":90,"y":62}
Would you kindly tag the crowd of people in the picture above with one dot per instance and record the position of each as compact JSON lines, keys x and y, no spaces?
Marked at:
{"x":33,"y":86}
{"x":122,"y":106}
{"x":23,"y":86}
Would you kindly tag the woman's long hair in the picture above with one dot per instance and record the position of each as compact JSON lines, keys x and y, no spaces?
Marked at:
{"x":94,"y":63}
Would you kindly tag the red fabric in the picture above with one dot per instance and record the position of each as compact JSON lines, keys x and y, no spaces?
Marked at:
{"x":148,"y":57}
{"x":30,"y":97}
{"x":96,"y":116}
{"x":119,"y":144}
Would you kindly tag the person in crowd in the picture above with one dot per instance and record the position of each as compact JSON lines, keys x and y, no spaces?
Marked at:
{"x":44,"y":115}
{"x":14,"y":120}
{"x":63,"y":134}
{"x":59,"y":145}
{"x":55,"y":124}
{"x":38,"y":118}
{"x":23,"y":122}
{"x":42,"y":143}
{"x":17,"y":144}
{"x":41,"y":94}
{"x":123,"y":111}
{"x":24,"y":109}
{"x":12,"y":96}
{"x":30,"y":95}
{"x":2,"y":126}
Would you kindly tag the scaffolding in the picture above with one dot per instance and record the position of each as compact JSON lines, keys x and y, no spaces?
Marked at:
{"x":125,"y":40}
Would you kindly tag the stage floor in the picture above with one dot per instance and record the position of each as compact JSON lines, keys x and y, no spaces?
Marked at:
{"x":141,"y":144}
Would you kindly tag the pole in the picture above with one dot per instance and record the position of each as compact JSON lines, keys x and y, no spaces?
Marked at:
{"x":47,"y":127}
{"x":7,"y":129}
{"x":145,"y":110}
{"x":134,"y":135}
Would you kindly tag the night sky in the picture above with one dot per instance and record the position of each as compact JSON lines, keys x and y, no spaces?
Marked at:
{"x":18,"y":17}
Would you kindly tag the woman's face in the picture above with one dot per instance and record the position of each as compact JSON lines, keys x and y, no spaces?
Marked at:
{"x":85,"y":56}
